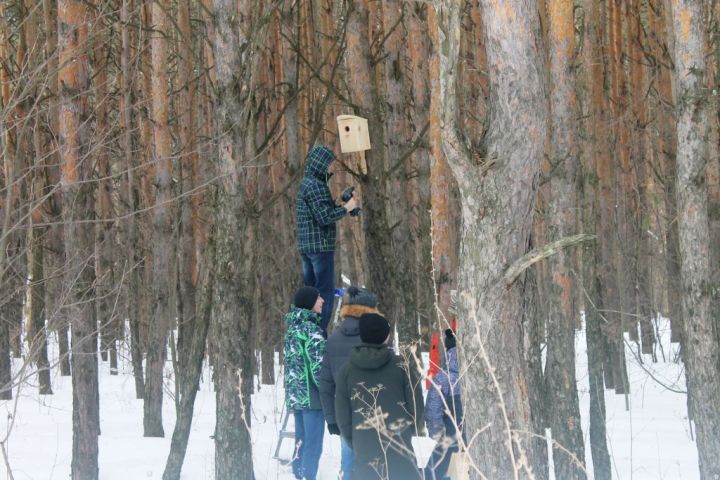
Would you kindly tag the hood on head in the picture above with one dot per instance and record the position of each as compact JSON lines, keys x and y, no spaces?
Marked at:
{"x":317,"y":162}
{"x":350,"y":327}
{"x":355,"y":310}
{"x":369,"y":356}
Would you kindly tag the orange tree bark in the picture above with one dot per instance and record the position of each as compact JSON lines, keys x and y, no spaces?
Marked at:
{"x":367,"y":91}
{"x":104,"y":233}
{"x":163,"y":245}
{"x":562,"y":396}
{"x":591,"y":84}
{"x":78,"y":208}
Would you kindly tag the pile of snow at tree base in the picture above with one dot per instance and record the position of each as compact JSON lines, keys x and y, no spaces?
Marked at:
{"x":650,"y":441}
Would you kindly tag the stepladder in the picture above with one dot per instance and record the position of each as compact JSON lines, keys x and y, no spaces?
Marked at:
{"x":282,"y":435}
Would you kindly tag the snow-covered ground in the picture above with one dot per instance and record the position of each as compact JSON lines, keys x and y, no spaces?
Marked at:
{"x":649,"y":441}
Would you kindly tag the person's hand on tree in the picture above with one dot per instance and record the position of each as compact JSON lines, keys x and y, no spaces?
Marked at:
{"x":351,"y":204}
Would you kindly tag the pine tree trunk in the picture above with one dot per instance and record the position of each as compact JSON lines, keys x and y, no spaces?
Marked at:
{"x":497,"y":198}
{"x":400,"y":135}
{"x":641,"y":223}
{"x":591,"y":86}
{"x":78,"y":207}
{"x":562,"y":395}
{"x":700,"y":299}
{"x":105,"y":244}
{"x":197,"y":332}
{"x":5,"y":362}
{"x":533,"y":338}
{"x":189,"y":221}
{"x":5,"y":209}
{"x":237,"y":29}
{"x":54,"y":257}
{"x":131,"y":196}
{"x":418,"y":47}
{"x":37,"y":340}
{"x":367,"y":91}
{"x":443,"y":232}
{"x":163,"y":254}
{"x":602,"y":468}
{"x":35,"y":321}
{"x":664,"y":146}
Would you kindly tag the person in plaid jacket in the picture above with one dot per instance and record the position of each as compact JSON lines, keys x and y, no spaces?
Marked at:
{"x":316,"y":214}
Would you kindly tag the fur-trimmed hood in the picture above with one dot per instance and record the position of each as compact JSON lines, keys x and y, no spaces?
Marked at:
{"x":355,"y":310}
{"x":350,"y":327}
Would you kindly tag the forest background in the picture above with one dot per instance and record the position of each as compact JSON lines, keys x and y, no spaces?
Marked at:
{"x":538,"y":159}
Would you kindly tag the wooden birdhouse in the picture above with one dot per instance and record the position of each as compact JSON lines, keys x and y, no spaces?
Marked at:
{"x":354,"y":135}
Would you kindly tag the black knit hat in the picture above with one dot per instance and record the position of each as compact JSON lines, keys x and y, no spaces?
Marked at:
{"x":306,"y":297}
{"x":361,"y":296}
{"x":374,"y":328}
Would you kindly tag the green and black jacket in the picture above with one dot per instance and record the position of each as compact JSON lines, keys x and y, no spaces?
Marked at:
{"x":304,"y":349}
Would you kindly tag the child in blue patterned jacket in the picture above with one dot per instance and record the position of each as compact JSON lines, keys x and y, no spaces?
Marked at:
{"x":444,"y":412}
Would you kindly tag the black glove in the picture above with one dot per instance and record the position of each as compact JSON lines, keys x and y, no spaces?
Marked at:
{"x":333,"y":429}
{"x":450,"y":341}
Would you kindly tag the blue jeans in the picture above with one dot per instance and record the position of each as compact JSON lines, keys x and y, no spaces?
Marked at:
{"x":346,"y":459}
{"x":319,"y":272}
{"x":439,"y":462}
{"x":309,"y":431}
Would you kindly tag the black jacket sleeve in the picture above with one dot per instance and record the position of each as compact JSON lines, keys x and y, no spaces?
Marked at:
{"x":343,"y":407}
{"x":327,"y":391}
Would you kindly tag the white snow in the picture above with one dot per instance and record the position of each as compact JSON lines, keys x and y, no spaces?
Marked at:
{"x":651,"y":440}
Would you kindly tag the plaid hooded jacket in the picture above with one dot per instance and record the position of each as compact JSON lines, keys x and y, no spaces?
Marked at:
{"x":316,"y":212}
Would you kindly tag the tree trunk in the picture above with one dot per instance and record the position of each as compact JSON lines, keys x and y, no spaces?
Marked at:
{"x":642,"y":222}
{"x":590,"y":83}
{"x":105,"y":243}
{"x":367,"y":91}
{"x":5,"y":209}
{"x":401,"y":154}
{"x":163,"y":255}
{"x":189,"y":217}
{"x":238,"y":29}
{"x":700,"y":302}
{"x":533,"y":338}
{"x":5,"y":362}
{"x":195,"y":353}
{"x":132,"y":200}
{"x":78,"y":207}
{"x":562,"y":395}
{"x":497,"y":196}
{"x":55,"y":250}
{"x":664,"y":141}
{"x":37,"y":340}
{"x":443,"y":226}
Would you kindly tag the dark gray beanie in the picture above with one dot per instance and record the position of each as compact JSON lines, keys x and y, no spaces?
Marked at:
{"x":361,"y":296}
